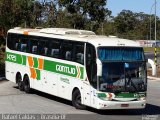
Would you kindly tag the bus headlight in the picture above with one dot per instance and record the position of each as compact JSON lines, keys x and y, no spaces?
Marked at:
{"x":142,"y":98}
{"x":104,"y":96}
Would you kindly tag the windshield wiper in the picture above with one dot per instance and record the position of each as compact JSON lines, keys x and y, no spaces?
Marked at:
{"x":136,"y":90}
{"x":130,"y":83}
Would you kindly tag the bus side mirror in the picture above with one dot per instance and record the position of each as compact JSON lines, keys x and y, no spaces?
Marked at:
{"x":99,"y":68}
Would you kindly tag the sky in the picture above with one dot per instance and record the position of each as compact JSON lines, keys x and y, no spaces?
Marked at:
{"x":116,"y":6}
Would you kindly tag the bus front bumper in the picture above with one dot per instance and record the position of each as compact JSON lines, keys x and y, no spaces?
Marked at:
{"x":121,"y":104}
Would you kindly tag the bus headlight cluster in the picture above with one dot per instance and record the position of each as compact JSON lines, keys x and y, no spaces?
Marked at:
{"x":104,"y":96}
{"x":142,"y":98}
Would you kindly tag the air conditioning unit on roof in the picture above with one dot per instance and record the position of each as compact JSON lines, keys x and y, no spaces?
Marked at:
{"x":66,"y":31}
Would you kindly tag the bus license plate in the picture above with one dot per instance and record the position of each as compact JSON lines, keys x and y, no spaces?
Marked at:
{"x":124,"y":105}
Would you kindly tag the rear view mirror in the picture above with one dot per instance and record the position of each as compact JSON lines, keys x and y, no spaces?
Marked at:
{"x":99,"y":68}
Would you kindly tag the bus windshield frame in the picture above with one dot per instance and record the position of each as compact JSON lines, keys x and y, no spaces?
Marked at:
{"x":120,"y":74}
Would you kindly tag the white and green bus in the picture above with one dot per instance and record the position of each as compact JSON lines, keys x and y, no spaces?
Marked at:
{"x":89,"y":70}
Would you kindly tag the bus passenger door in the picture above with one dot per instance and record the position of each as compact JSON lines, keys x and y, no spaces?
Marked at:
{"x":91,"y":73}
{"x":86,"y":93}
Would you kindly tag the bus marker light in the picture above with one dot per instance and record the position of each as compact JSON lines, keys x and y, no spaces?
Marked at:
{"x":25,"y":32}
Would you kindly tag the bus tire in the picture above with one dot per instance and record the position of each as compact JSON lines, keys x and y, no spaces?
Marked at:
{"x":27,"y":88}
{"x":20,"y":82}
{"x":76,"y":100}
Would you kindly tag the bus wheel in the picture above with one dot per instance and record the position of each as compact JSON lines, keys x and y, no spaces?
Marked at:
{"x":76,"y":100}
{"x":20,"y":82}
{"x":27,"y":88}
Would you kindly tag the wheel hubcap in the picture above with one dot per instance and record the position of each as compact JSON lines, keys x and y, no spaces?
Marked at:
{"x":78,"y":100}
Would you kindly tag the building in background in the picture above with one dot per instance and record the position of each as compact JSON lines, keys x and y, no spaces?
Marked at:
{"x":149,"y":43}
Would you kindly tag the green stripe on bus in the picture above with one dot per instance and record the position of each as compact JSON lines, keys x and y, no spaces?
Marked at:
{"x":35,"y":62}
{"x":15,"y":58}
{"x":82,"y":73}
{"x":129,"y":95}
{"x":60,"y":68}
{"x":38,"y":74}
{"x":24,"y":59}
{"x":52,"y":66}
{"x":101,"y":95}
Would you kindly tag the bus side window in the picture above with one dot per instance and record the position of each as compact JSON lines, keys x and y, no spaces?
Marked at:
{"x":55,"y":53}
{"x":43,"y":47}
{"x":55,"y":50}
{"x":45,"y":51}
{"x":34,"y":49}
{"x":23,"y":47}
{"x":34,"y":46}
{"x":79,"y":53}
{"x":67,"y":49}
{"x":11,"y":41}
{"x":24,"y":44}
{"x":68,"y":55}
{"x":18,"y":45}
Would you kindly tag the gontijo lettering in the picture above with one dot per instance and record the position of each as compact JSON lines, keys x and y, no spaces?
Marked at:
{"x":65,"y":69}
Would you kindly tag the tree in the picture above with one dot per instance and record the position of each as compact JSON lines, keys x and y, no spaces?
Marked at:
{"x":125,"y":21}
{"x":23,"y":10}
{"x":16,"y":12}
{"x":63,"y":19}
{"x":84,"y":10}
{"x":6,"y":14}
{"x":135,"y":25}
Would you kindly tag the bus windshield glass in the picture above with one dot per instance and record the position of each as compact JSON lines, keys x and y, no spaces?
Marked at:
{"x":120,"y":54}
{"x":123,"y":69}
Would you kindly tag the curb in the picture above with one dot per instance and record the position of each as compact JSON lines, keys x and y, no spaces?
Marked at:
{"x":153,"y":78}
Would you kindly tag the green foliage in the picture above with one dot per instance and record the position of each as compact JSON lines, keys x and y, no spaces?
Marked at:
{"x":125,"y":21}
{"x":135,"y":25}
{"x":2,"y":40}
{"x":15,"y":12}
{"x":2,"y":52}
{"x":83,"y":10}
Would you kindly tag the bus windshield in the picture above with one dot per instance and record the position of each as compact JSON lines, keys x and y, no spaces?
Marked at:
{"x":120,"y":54}
{"x":123,"y":70}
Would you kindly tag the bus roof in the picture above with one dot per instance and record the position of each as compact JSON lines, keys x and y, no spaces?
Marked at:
{"x":76,"y":35}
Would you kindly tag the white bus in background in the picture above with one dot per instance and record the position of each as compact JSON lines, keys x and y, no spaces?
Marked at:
{"x":90,"y":70}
